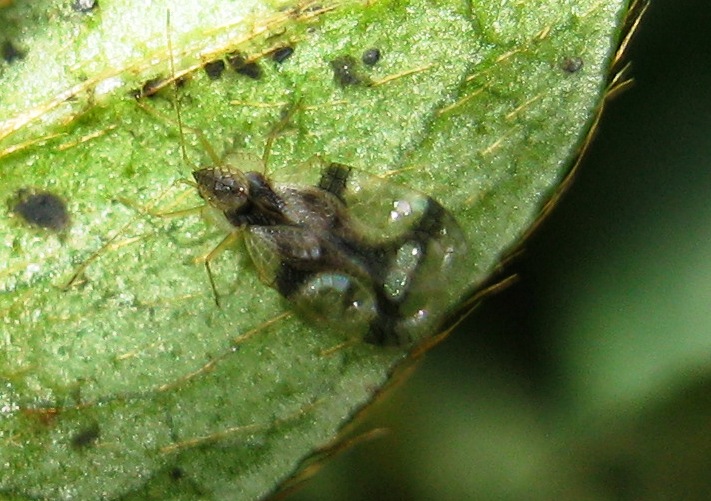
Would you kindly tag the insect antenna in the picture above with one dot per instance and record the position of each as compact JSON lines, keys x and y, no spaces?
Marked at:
{"x":113,"y":240}
{"x":216,"y":160}
{"x":176,"y":96}
{"x":178,"y":121}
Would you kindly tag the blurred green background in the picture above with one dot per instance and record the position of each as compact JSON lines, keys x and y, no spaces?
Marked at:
{"x":589,"y":378}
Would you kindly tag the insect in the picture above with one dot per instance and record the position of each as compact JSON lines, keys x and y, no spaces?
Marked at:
{"x":352,"y":250}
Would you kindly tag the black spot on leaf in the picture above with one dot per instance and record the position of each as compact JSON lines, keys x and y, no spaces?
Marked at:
{"x":10,"y":53}
{"x":41,"y":208}
{"x":86,"y":437}
{"x":571,"y":64}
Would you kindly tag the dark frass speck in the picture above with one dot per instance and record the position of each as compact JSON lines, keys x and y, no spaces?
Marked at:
{"x":239,"y":63}
{"x":86,"y":437}
{"x":571,"y":64}
{"x":371,"y":56}
{"x":10,"y":53}
{"x":282,"y":54}
{"x":214,"y":69}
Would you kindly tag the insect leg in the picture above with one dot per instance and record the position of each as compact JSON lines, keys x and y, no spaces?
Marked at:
{"x":166,"y":215}
{"x":111,"y":242}
{"x":287,"y":113}
{"x":226,"y":242}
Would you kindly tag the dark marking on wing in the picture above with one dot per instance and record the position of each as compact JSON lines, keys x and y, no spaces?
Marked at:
{"x":430,"y":224}
{"x":290,"y":279}
{"x":382,"y":329}
{"x":334,"y":179}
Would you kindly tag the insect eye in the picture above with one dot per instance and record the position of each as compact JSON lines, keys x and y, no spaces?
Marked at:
{"x":221,"y":188}
{"x":226,"y":186}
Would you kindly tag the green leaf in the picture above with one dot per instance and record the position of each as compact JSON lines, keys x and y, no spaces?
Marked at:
{"x":131,"y":383}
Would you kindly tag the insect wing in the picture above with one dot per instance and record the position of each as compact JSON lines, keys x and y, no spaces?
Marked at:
{"x":420,"y":241}
{"x":267,"y":246}
{"x":388,"y":212}
{"x":362,"y":254}
{"x":384,"y":209}
{"x":303,"y":267}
